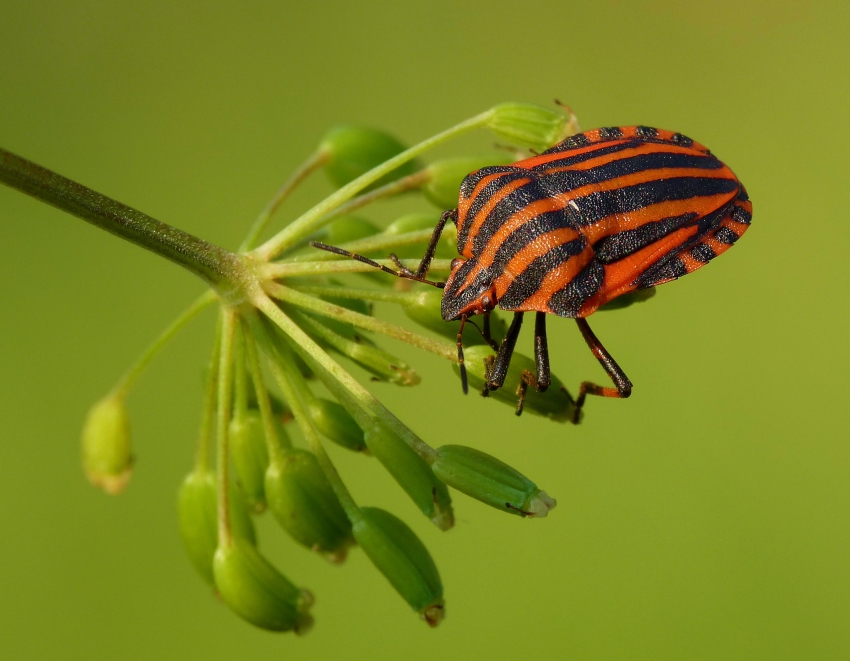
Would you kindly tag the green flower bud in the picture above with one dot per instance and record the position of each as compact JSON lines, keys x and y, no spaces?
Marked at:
{"x":345,"y":229}
{"x":528,"y":125}
{"x":352,"y":151}
{"x":258,"y":592}
{"x":197,"y":513}
{"x":416,"y":222}
{"x":447,"y":175}
{"x":631,"y":298}
{"x":335,"y":423}
{"x":423,"y":307}
{"x":491,"y":481}
{"x":250,"y":457}
{"x":399,"y":555}
{"x":107,"y":460}
{"x":305,"y":505}
{"x":555,"y":404}
{"x":412,"y":473}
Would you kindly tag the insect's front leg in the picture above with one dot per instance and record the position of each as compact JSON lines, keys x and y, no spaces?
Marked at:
{"x":506,"y":351}
{"x":429,"y":251}
{"x":623,"y":387}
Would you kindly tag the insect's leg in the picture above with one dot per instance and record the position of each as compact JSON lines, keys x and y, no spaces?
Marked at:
{"x":488,"y":337}
{"x":488,"y":370}
{"x":541,"y":353}
{"x":432,"y":244}
{"x":463,"y":380}
{"x":360,"y":258}
{"x":623,"y":387}
{"x":506,"y":351}
{"x":527,"y":379}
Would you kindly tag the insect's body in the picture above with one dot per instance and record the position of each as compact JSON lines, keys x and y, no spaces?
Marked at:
{"x":602,"y":214}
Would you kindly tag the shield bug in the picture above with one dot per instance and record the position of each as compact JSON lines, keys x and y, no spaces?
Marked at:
{"x":604,"y":213}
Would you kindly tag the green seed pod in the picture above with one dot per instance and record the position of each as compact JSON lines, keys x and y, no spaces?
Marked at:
{"x":528,"y":125}
{"x":416,"y":222}
{"x":304,"y":504}
{"x":345,"y":229}
{"x":258,"y":592}
{"x":447,"y":175}
{"x":491,"y":481}
{"x":107,"y":460}
{"x":423,"y":307}
{"x":412,"y":473}
{"x":352,"y":151}
{"x":400,"y":556}
{"x":555,"y":404}
{"x":335,"y":423}
{"x":250,"y":457}
{"x":197,"y":513}
{"x":631,"y":298}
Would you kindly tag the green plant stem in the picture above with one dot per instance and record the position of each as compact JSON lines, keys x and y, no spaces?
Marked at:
{"x":225,"y":394}
{"x":131,"y":376}
{"x":305,"y":344}
{"x":274,"y":442}
{"x":288,"y":295}
{"x":202,"y":453}
{"x":277,"y":270}
{"x":222,"y":270}
{"x":240,"y":376}
{"x":315,"y":217}
{"x":282,"y":366}
{"x":317,"y":160}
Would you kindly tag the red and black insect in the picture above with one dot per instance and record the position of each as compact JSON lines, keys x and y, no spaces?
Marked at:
{"x":604,"y":213}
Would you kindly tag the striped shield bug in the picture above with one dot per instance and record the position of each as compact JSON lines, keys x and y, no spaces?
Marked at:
{"x":604,"y":213}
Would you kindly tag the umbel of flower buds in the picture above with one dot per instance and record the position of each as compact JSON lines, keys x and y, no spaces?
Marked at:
{"x":198,"y":519}
{"x":258,"y":592}
{"x":304,"y":504}
{"x":400,"y":556}
{"x":448,"y":174}
{"x":351,"y":151}
{"x":107,"y":460}
{"x":491,"y":481}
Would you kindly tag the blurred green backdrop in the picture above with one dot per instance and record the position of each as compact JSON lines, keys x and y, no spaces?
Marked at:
{"x":705,"y":518}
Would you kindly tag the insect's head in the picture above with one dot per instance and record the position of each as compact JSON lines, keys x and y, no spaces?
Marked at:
{"x":469,"y":290}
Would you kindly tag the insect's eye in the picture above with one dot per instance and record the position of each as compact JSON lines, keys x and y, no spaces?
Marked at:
{"x":456,"y":263}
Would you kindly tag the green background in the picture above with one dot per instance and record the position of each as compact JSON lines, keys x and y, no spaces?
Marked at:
{"x":704,"y":518}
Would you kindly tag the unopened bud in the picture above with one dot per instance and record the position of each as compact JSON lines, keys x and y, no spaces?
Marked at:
{"x":491,"y":481}
{"x":197,"y":513}
{"x":631,"y":298}
{"x":258,"y":592}
{"x":107,"y":459}
{"x":403,"y":559}
{"x":528,"y":125}
{"x":447,"y":175}
{"x":555,"y":404}
{"x":412,"y":473}
{"x":336,"y":424}
{"x":353,"y":150}
{"x":305,"y":505}
{"x":250,"y":456}
{"x":423,"y":307}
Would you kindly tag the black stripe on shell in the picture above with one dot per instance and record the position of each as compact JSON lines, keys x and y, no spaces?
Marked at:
{"x":626,"y":242}
{"x":528,"y":282}
{"x":567,"y":302}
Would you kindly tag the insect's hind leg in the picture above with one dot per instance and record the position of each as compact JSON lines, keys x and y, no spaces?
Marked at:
{"x":623,"y":387}
{"x":543,"y":377}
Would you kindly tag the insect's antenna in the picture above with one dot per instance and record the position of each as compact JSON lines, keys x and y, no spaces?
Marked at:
{"x":463,"y":380}
{"x":370,"y":262}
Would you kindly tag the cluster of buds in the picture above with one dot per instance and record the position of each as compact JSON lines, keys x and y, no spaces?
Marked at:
{"x":289,"y":312}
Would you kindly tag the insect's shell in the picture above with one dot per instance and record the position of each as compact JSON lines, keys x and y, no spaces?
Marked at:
{"x":599,"y":215}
